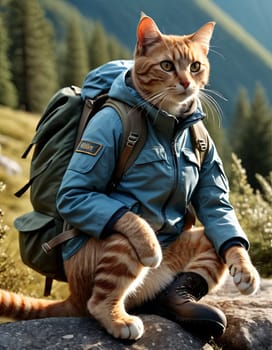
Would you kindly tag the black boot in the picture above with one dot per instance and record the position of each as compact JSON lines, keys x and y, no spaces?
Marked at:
{"x":178,"y":302}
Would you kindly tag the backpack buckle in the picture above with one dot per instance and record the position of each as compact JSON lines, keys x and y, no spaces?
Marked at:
{"x":201,"y":145}
{"x":132,"y":139}
{"x":46,"y":247}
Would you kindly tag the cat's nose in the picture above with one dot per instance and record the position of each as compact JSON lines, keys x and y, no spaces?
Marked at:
{"x":185,"y":84}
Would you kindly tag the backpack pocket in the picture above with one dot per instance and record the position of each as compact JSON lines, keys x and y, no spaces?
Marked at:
{"x":35,"y":229}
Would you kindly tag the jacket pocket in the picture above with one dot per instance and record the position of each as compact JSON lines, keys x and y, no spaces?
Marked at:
{"x":152,"y":163}
{"x":83,"y":162}
{"x":149,"y":176}
{"x":150,"y":155}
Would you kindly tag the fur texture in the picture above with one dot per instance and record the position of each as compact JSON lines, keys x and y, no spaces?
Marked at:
{"x":170,"y":71}
{"x":110,"y":276}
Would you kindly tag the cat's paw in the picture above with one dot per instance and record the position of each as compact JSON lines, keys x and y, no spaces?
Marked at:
{"x":153,"y":261}
{"x":148,"y":249}
{"x":142,"y":238}
{"x":132,"y":328}
{"x":115,"y":320}
{"x":246,"y":278}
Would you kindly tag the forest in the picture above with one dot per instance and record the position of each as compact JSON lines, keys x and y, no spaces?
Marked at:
{"x":38,"y":57}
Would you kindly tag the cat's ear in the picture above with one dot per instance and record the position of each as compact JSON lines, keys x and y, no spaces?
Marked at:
{"x":147,"y":32}
{"x":203,"y":36}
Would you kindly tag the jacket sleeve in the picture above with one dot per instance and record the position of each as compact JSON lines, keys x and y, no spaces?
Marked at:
{"x":211,"y":202}
{"x":82,"y":200}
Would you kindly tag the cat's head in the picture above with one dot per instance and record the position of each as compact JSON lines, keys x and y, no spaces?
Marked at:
{"x":170,"y":70}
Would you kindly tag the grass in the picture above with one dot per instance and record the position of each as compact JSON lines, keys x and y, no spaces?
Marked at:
{"x":16,"y":131}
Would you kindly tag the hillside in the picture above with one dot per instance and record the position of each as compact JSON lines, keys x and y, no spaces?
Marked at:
{"x":249,"y":13}
{"x":60,"y":13}
{"x":17,"y":128}
{"x":237,"y":58}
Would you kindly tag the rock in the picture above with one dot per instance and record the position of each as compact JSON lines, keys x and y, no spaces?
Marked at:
{"x":86,"y":334}
{"x":249,"y":317}
{"x":249,"y":328}
{"x":10,"y":166}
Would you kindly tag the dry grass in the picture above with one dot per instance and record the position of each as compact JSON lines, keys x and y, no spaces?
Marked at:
{"x":16,"y":131}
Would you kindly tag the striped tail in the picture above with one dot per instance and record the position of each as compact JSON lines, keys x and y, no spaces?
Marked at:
{"x":20,"y":307}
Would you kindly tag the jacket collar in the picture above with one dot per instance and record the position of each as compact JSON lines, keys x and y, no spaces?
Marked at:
{"x":168,"y":124}
{"x":165,"y":122}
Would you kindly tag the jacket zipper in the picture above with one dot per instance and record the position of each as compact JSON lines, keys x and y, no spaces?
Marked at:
{"x":174,"y":187}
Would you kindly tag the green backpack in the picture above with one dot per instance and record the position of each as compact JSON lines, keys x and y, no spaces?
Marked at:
{"x":59,"y":130}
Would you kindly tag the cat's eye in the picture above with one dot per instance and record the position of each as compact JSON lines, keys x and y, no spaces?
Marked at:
{"x":195,"y":67}
{"x":168,"y":66}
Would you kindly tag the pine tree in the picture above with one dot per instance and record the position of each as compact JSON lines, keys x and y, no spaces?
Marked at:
{"x":256,"y":139}
{"x":239,"y":121}
{"x":116,"y":50}
{"x":212,"y":123}
{"x":98,"y":47}
{"x":254,"y":213}
{"x":266,"y":188}
{"x":31,"y":54}
{"x":76,"y":56}
{"x":8,"y":95}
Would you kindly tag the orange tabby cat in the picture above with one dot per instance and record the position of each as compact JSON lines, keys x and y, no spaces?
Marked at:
{"x":110,"y":276}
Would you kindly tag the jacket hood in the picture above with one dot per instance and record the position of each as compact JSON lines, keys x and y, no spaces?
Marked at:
{"x":101,"y":79}
{"x":122,"y":91}
{"x":111,"y":78}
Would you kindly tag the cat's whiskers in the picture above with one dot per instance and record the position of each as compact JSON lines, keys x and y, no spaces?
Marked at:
{"x":214,"y":92}
{"x":163,"y":96}
{"x":162,"y":102}
{"x":158,"y":99}
{"x":216,"y":52}
{"x":211,"y":104}
{"x":154,"y":98}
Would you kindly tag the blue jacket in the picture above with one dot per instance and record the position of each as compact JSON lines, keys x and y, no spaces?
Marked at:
{"x":164,"y":178}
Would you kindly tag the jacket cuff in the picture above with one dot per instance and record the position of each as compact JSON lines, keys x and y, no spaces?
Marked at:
{"x":231,"y":243}
{"x":115,"y":217}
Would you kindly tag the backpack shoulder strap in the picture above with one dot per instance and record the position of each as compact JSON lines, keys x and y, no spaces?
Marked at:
{"x":135,"y":131}
{"x":134,"y":135}
{"x":199,"y":136}
{"x":200,"y":140}
{"x":90,"y":107}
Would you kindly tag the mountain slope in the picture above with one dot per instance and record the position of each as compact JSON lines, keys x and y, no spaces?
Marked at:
{"x":253,"y":15}
{"x":234,"y":28}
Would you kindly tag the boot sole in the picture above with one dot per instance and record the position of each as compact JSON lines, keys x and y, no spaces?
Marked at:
{"x":200,"y":327}
{"x":204,"y":328}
